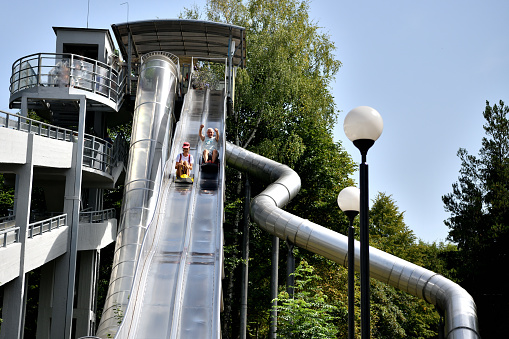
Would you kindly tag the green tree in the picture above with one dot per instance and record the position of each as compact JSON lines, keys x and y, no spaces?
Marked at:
{"x":388,"y":231}
{"x":6,"y":197}
{"x":397,"y":314}
{"x":479,"y":221}
{"x":307,"y":314}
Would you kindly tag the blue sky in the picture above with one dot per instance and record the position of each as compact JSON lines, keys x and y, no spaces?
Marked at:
{"x":427,"y":66}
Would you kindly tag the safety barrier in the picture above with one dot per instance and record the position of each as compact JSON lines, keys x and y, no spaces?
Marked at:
{"x":67,"y":70}
{"x":9,"y":236}
{"x":97,"y":216}
{"x":21,"y":123}
{"x":40,"y":227}
{"x":97,"y":152}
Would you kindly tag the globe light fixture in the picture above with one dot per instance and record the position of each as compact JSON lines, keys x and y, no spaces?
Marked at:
{"x":363,"y":125}
{"x":349,"y":203}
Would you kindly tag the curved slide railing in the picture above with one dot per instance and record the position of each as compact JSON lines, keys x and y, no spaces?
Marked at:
{"x":458,"y":306}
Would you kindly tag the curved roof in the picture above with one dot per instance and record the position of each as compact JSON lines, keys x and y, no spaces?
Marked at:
{"x":184,"y":38}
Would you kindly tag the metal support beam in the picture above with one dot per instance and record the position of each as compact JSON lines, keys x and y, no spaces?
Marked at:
{"x":245,"y":260}
{"x":13,"y":311}
{"x":274,"y":287}
{"x":65,"y":270}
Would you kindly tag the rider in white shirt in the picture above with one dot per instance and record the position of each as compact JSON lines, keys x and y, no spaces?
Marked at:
{"x":210,"y":144}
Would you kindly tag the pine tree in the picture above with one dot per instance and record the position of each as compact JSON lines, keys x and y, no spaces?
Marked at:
{"x":479,"y":221}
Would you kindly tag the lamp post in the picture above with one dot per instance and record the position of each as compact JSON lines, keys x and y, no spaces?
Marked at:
{"x":348,"y":202}
{"x":363,"y":125}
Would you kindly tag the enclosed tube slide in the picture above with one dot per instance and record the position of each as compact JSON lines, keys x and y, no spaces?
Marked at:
{"x":148,"y":154}
{"x":457,"y":305}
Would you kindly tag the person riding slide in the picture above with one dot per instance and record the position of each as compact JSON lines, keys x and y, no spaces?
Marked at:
{"x":184,"y":161}
{"x":210,"y":144}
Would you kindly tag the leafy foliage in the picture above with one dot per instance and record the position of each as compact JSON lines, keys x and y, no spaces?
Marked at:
{"x":6,"y":197}
{"x":388,"y":230}
{"x":479,"y":221}
{"x":307,"y":315}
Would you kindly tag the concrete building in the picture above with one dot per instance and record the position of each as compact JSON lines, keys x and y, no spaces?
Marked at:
{"x":81,"y":91}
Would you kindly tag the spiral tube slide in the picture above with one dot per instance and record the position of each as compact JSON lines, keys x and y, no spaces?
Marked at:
{"x":454,"y":301}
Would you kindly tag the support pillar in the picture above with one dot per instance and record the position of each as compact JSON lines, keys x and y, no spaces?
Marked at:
{"x":86,"y":292}
{"x":65,"y":265}
{"x":13,"y":310}
{"x":290,"y":269}
{"x":274,"y":287}
{"x":45,"y":300}
{"x":245,"y":261}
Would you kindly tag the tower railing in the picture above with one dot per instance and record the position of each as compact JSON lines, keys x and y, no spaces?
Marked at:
{"x":97,"y":153}
{"x":68,"y":70}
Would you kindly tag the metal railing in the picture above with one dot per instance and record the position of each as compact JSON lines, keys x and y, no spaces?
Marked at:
{"x":97,"y":152}
{"x":9,"y":236}
{"x":67,"y":70}
{"x":97,"y":216}
{"x":43,"y":226}
{"x":7,"y":219}
{"x":21,"y":123}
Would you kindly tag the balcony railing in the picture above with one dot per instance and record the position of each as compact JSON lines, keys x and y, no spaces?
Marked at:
{"x":97,"y":152}
{"x":97,"y":216}
{"x":6,"y":219}
{"x":67,"y":70}
{"x":40,"y":227}
{"x":21,"y":123}
{"x":9,"y":236}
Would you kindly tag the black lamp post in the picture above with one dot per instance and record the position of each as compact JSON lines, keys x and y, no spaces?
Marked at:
{"x":363,"y":125}
{"x":348,"y":202}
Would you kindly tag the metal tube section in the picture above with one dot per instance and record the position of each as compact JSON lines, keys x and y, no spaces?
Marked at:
{"x":458,"y":306}
{"x":148,"y":153}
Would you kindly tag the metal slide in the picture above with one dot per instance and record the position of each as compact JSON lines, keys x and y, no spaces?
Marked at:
{"x":455,"y":303}
{"x":177,"y":287}
{"x":167,"y":269}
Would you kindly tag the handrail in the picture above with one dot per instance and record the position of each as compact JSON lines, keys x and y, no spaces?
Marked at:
{"x":67,"y":70}
{"x":24,"y":124}
{"x":97,"y":216}
{"x":6,"y":239}
{"x":7,"y":218}
{"x":46,"y":225}
{"x":97,"y":153}
{"x":40,"y":227}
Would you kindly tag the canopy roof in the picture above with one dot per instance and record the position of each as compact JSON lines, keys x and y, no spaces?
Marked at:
{"x":184,"y":38}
